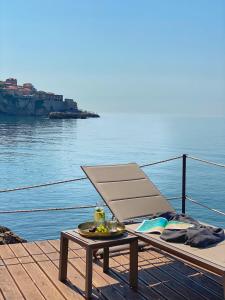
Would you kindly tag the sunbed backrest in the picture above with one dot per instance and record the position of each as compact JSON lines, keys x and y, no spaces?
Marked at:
{"x":127,"y":191}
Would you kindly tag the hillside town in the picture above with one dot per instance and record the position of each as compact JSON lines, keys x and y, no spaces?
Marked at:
{"x":25,"y":99}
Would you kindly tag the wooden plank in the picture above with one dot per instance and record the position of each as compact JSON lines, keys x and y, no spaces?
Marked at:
{"x":42,"y":282}
{"x":1,"y":295}
{"x":53,"y":256}
{"x":188,"y":268}
{"x":32,"y":248}
{"x":150,"y":281}
{"x":19,"y":250}
{"x":102,"y":286}
{"x":187,"y":281}
{"x":206,"y":286}
{"x":160,"y":276}
{"x":11,"y":261}
{"x":40,"y":257}
{"x":24,"y":282}
{"x":102,"y":280}
{"x":75,"y":279}
{"x":6,"y":252}
{"x":123,"y":273}
{"x":45,"y":246}
{"x":150,"y":284}
{"x":157,"y":269}
{"x":25,"y":259}
{"x":35,"y":253}
{"x":74,"y":246}
{"x":106,"y":286}
{"x":56,"y":245}
{"x":162,"y":269}
{"x":52,"y":272}
{"x":143,"y":291}
{"x":8,"y":287}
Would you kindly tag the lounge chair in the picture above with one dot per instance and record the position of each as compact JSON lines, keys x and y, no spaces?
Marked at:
{"x":130,"y":194}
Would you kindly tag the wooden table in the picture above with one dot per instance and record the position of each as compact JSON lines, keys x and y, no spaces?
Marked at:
{"x":94,"y":244}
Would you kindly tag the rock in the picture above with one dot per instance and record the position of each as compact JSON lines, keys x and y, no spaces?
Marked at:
{"x":73,"y":115}
{"x":3,"y":229}
{"x":9,"y":237}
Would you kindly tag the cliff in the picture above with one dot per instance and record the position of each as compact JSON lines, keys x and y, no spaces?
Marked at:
{"x":32,"y":106}
{"x":25,"y":100}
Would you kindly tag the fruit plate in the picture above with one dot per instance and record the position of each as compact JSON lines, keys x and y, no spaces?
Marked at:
{"x":83,"y":229}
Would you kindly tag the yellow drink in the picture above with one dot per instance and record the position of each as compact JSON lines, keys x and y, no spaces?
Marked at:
{"x":99,"y":215}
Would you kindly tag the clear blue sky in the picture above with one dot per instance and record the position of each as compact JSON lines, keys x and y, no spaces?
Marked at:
{"x":149,"y":56}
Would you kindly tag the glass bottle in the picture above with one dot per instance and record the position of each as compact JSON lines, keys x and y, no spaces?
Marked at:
{"x":99,"y":213}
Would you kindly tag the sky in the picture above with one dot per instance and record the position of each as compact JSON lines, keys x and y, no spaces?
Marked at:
{"x":160,"y":57}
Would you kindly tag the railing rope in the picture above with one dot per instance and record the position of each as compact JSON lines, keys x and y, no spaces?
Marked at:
{"x":45,"y":209}
{"x":42,"y":185}
{"x":73,"y":179}
{"x":206,"y":161}
{"x":205,"y":206}
{"x":174,"y":198}
{"x":36,"y":210}
{"x":183,"y":196}
{"x":161,"y":161}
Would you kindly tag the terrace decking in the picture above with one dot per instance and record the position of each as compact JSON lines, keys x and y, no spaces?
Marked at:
{"x":30,"y":271}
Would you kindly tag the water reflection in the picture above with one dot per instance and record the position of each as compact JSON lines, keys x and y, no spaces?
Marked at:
{"x":15,"y":129}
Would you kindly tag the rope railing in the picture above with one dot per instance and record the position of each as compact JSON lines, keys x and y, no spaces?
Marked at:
{"x":42,"y":185}
{"x":45,"y":209}
{"x":92,"y":206}
{"x":73,"y":179}
{"x":36,"y":210}
{"x":161,"y":161}
{"x":205,"y":206}
{"x":206,"y":161}
{"x":174,"y":198}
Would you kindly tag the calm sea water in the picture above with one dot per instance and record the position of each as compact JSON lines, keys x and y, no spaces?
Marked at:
{"x":38,"y":150}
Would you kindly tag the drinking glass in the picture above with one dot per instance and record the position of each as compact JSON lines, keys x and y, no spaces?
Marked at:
{"x":113,"y":225}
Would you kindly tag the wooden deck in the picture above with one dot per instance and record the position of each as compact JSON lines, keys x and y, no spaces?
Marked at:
{"x":30,"y":271}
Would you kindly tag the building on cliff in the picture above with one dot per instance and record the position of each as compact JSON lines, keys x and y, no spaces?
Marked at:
{"x":26,"y":100}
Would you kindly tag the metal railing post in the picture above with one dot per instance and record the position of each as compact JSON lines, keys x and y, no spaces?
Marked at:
{"x":184,"y":159}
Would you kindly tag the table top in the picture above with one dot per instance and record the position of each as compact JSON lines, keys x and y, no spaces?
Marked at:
{"x":74,"y":235}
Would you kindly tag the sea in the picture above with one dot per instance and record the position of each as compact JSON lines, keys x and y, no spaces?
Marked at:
{"x":36,"y":150}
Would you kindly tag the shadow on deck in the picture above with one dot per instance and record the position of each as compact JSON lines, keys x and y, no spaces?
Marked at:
{"x":30,"y":271}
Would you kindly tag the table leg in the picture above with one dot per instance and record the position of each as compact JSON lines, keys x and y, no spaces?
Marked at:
{"x":134,"y":264}
{"x":88,"y":281}
{"x":106,"y":259}
{"x":63,"y":258}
